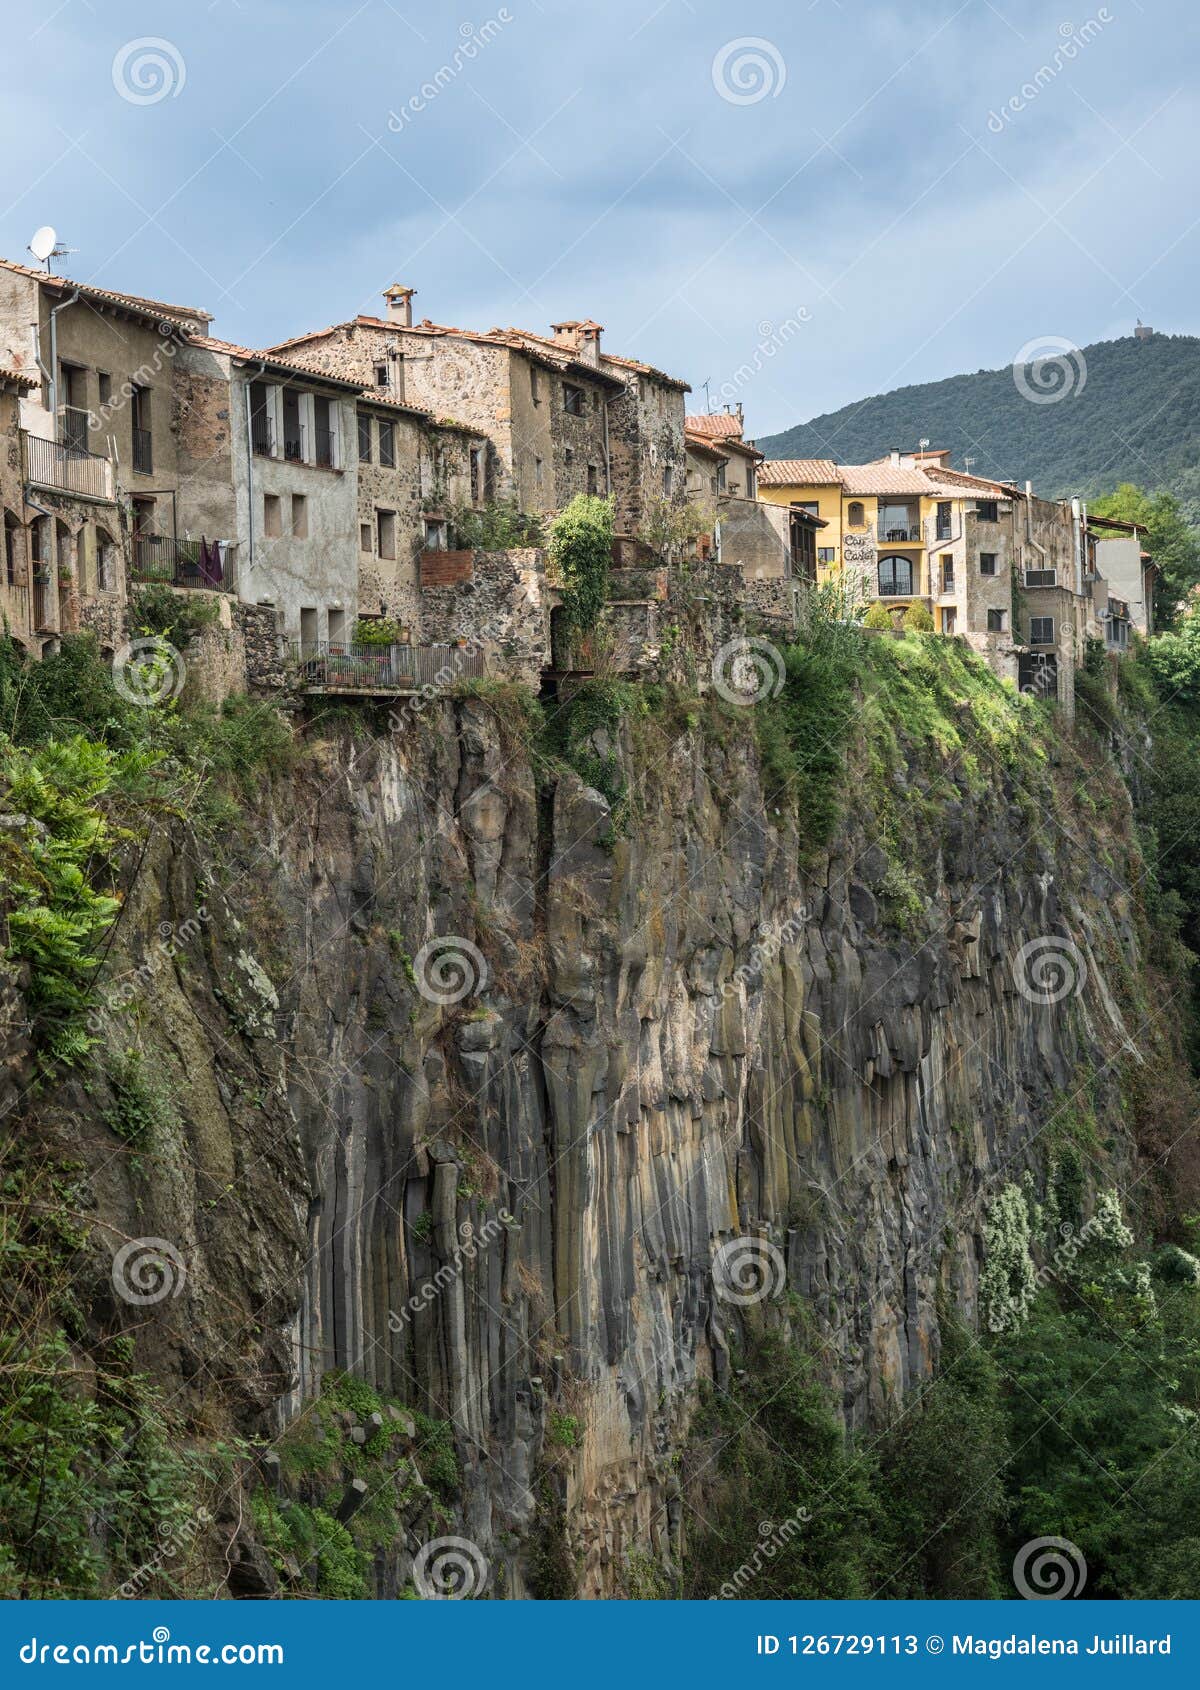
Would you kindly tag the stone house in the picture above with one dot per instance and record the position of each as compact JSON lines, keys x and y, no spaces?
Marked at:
{"x":269,"y":450}
{"x":414,"y":473}
{"x":1118,"y":556}
{"x":559,"y":415}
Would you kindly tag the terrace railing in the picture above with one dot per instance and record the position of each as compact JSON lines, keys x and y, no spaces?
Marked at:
{"x":333,"y":665}
{"x":68,"y":468}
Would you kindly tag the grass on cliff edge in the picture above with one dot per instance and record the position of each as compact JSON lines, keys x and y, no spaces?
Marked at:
{"x":917,"y":704}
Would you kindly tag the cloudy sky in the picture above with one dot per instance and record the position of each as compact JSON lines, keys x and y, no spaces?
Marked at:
{"x":798,"y":203}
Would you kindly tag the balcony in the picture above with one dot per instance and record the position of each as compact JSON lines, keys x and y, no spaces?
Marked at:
{"x":67,"y":469}
{"x":177,"y":563}
{"x":262,"y":436}
{"x":324,"y":447}
{"x":293,"y":443}
{"x":334,"y":666}
{"x":143,"y":452}
{"x":73,"y":426}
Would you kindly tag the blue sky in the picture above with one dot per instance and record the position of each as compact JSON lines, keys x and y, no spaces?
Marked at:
{"x":801,"y":203}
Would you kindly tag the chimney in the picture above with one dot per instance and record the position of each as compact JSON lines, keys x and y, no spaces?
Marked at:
{"x":566,"y":335}
{"x":399,"y":305}
{"x":894,"y":455}
{"x":588,"y":341}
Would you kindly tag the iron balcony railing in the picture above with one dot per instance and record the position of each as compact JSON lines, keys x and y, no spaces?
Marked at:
{"x":293,"y":442}
{"x":262,"y":435}
{"x":50,"y":464}
{"x":324,"y":440}
{"x":143,"y":452}
{"x":356,"y":667}
{"x":178,"y":563}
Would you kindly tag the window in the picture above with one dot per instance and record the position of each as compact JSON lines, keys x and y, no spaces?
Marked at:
{"x":826,"y":554}
{"x":813,"y":509}
{"x":949,"y":620}
{"x":943,"y":519}
{"x":856,"y":513}
{"x":595,"y":401}
{"x":385,"y":525}
{"x":309,"y":624}
{"x":568,"y":455}
{"x":437,"y":534}
{"x":299,"y":516}
{"x":987,"y":563}
{"x":364,"y":536}
{"x":721,"y":469}
{"x":1041,"y":630}
{"x":387,"y":444}
{"x":535,"y":384}
{"x":573,"y":400}
{"x":538,"y":472}
{"x":947,"y":574}
{"x":895,"y":577}
{"x":139,"y":410}
{"x":10,"y":548}
{"x":668,"y":480}
{"x":105,"y":386}
{"x":987,"y":510}
{"x":272,"y":516}
{"x":476,"y":463}
{"x":997,"y":621}
{"x":593,"y":479}
{"x":337,"y":626}
{"x":382,"y":378}
{"x":752,"y":483}
{"x":364,"y":440}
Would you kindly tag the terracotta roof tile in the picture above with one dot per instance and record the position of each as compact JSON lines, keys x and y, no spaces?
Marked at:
{"x":148,"y":307}
{"x":716,"y":424}
{"x":255,"y":355}
{"x":799,"y":472}
{"x":882,"y":480}
{"x":17,"y":378}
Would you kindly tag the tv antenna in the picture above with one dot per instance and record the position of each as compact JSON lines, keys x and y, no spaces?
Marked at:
{"x":45,"y":248}
{"x":968,"y":462}
{"x":707,"y":399}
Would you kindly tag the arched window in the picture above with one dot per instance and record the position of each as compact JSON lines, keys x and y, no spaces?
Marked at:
{"x":856,"y":514}
{"x":895,"y":577}
{"x":106,"y":552}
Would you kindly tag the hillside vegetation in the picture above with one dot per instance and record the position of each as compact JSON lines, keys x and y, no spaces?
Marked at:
{"x":1130,"y":412}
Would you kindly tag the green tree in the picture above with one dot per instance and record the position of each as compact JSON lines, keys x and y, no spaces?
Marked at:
{"x":1173,"y":545}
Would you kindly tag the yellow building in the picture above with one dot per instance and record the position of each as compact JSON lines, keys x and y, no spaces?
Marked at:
{"x":906,"y":529}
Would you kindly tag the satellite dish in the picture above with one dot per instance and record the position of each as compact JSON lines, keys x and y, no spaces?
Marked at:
{"x":43,"y":243}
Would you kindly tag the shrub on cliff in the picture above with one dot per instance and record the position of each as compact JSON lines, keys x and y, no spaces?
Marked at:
{"x":581,"y":552}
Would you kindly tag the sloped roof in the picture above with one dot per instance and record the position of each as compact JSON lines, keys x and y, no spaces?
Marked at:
{"x":129,"y":301}
{"x":883,"y":479}
{"x":641,"y":369}
{"x":286,"y":366}
{"x":799,"y":472}
{"x":717,"y":425}
{"x":17,"y":378}
{"x":706,"y":448}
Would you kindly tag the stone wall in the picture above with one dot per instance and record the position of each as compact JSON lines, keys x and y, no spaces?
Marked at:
{"x":756,"y":537}
{"x":501,"y":605}
{"x":263,"y":646}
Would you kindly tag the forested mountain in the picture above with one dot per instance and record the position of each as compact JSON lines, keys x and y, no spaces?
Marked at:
{"x":1121,"y":410}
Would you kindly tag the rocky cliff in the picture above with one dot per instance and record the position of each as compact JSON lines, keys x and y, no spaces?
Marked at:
{"x":508,"y":1099}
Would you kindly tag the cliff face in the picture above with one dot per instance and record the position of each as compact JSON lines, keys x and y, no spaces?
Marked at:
{"x":472,"y":1089}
